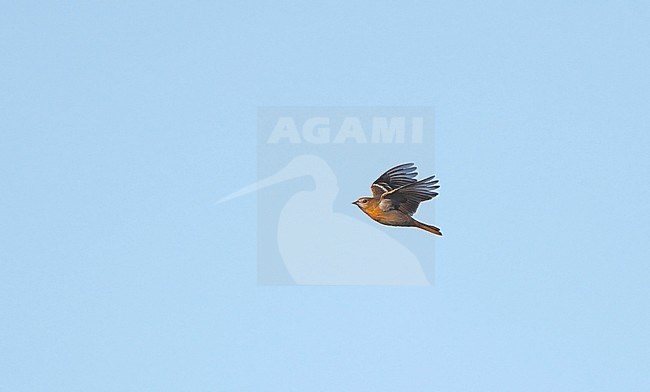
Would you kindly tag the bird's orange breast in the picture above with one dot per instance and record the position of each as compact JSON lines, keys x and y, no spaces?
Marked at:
{"x":372,"y":210}
{"x":391,"y":218}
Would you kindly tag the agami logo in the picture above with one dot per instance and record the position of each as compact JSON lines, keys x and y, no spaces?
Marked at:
{"x":321,"y":130}
{"x":312,"y":162}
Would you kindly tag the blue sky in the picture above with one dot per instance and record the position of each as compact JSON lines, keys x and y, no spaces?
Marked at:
{"x":123,"y":123}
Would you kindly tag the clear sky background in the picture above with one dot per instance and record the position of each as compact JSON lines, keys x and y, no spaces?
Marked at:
{"x":122,"y":124}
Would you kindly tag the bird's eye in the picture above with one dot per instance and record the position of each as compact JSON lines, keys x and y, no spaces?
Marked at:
{"x":364,"y":201}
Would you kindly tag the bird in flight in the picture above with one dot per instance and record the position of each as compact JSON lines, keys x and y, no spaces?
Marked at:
{"x":396,"y":196}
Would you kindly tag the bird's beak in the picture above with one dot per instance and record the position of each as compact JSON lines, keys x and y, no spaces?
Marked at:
{"x":300,"y":166}
{"x":354,"y":202}
{"x":281,"y":176}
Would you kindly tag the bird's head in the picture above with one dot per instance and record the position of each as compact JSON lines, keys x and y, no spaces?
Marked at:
{"x":362,"y":202}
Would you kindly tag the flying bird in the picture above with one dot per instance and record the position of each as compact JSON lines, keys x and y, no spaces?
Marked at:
{"x":396,"y":196}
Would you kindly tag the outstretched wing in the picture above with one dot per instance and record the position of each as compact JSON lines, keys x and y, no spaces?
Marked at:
{"x":408,"y":197}
{"x":394,"y":178}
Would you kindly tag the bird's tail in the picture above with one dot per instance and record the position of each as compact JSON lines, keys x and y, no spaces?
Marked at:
{"x":429,"y":228}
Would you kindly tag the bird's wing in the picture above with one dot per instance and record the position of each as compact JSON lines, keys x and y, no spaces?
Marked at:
{"x":408,"y":197}
{"x":394,"y":178}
